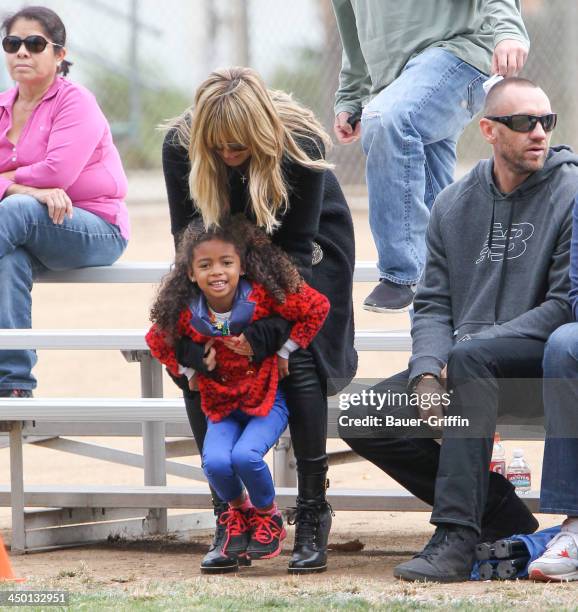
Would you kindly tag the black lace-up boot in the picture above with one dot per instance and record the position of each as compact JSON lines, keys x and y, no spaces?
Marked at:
{"x":312,"y":519}
{"x":216,"y":561}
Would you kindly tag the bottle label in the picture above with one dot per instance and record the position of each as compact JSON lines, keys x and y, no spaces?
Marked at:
{"x":498,"y":466}
{"x":521,"y":480}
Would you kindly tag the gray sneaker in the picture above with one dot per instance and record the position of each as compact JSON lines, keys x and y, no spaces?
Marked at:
{"x":448,"y":557}
{"x":390,"y":297}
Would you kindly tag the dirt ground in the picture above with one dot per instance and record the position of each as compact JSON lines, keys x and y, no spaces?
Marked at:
{"x":386,"y":538}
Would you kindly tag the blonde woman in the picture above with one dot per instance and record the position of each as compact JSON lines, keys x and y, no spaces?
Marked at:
{"x":244,"y":149}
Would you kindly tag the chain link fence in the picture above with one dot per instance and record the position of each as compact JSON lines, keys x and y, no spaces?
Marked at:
{"x":143,"y":60}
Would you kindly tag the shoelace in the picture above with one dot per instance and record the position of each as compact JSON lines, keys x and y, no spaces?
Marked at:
{"x":438,"y":542}
{"x":266,"y":529}
{"x":558,"y":544}
{"x":235,"y":522}
{"x":306,"y":520}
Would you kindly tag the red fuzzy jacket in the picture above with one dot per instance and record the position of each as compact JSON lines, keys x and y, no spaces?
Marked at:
{"x":238,"y":382}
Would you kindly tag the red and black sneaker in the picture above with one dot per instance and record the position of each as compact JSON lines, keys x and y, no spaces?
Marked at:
{"x":238,"y":531}
{"x":215,"y":561}
{"x":266,"y":537}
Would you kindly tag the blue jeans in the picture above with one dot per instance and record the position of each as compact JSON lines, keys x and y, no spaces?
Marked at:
{"x":559,"y":492}
{"x":31,"y":243}
{"x":233,"y":453}
{"x":409,"y":134}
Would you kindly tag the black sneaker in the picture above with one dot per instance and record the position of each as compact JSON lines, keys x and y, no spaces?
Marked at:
{"x":15,"y":393}
{"x":390,"y":297}
{"x":266,"y":536}
{"x":448,"y":557}
{"x":238,"y":527}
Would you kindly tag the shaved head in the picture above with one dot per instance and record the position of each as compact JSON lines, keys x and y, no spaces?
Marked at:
{"x":508,"y":94}
{"x":517,"y":154}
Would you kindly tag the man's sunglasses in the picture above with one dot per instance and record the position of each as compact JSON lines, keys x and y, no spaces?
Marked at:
{"x":33,"y":44}
{"x":526,"y":123}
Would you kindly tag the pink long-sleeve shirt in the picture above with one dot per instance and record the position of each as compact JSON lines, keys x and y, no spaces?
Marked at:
{"x":66,"y":143}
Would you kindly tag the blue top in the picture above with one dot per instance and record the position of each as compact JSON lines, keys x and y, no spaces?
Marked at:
{"x":241,"y":312}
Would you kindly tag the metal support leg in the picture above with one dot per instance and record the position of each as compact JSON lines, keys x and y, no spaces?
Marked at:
{"x":17,"y":489}
{"x":153,"y":440}
{"x":284,"y":464}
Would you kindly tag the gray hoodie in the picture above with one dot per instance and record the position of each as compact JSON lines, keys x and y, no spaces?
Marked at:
{"x":469,"y":289}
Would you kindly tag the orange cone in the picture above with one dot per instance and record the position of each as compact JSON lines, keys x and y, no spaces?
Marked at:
{"x":6,"y":572}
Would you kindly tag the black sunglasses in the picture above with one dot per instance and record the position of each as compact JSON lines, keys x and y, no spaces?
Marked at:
{"x":526,"y":123}
{"x":33,"y":44}
{"x":235,"y":147}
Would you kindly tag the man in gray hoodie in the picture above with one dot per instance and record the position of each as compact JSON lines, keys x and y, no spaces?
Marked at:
{"x":494,"y":288}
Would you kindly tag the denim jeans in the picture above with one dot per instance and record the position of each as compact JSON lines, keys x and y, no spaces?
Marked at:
{"x":559,"y":492}
{"x":409,"y":134}
{"x":31,"y":243}
{"x":233,"y":453}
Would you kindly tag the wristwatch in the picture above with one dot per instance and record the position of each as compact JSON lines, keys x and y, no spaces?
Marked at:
{"x":414,"y":382}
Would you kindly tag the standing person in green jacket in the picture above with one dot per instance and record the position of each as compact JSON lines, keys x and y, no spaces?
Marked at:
{"x":417,"y":70}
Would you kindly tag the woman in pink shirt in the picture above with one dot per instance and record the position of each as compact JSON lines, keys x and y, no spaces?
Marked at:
{"x":62,"y":185}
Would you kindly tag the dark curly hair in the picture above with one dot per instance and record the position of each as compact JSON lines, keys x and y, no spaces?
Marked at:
{"x":262,"y":261}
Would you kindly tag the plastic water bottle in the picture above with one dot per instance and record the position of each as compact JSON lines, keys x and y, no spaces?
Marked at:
{"x":498,"y":462}
{"x":519,"y":473}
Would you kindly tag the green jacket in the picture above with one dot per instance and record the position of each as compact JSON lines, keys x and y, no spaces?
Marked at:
{"x":379,"y":37}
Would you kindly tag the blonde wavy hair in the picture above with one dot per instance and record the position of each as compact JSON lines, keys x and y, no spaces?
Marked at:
{"x":233,"y":105}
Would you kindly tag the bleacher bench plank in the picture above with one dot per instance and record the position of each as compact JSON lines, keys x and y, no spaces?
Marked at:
{"x":152,"y":272}
{"x":199,"y":497}
{"x":69,"y":411}
{"x":93,"y":410}
{"x":133,"y":339}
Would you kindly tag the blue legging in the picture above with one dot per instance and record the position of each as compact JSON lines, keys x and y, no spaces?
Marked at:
{"x":233,"y":453}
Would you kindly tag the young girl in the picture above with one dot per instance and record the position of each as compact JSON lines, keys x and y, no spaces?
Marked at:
{"x":206,"y":298}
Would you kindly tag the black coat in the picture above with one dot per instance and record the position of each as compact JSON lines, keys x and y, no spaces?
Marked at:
{"x":317,"y":212}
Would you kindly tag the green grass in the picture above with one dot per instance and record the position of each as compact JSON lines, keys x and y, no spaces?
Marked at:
{"x":342,"y":593}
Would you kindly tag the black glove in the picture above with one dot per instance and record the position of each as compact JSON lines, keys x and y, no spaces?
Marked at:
{"x":190,"y":354}
{"x":267,"y":336}
{"x":181,"y":382}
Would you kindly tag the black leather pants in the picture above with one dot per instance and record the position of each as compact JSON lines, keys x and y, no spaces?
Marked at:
{"x":307,"y":402}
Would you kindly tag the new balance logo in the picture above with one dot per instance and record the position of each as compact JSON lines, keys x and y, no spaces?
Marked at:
{"x":520,"y":233}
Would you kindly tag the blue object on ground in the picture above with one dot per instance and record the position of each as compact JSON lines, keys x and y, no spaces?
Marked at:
{"x":536,"y":545}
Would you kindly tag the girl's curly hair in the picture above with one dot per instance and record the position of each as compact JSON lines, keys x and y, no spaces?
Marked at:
{"x":262,"y":261}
